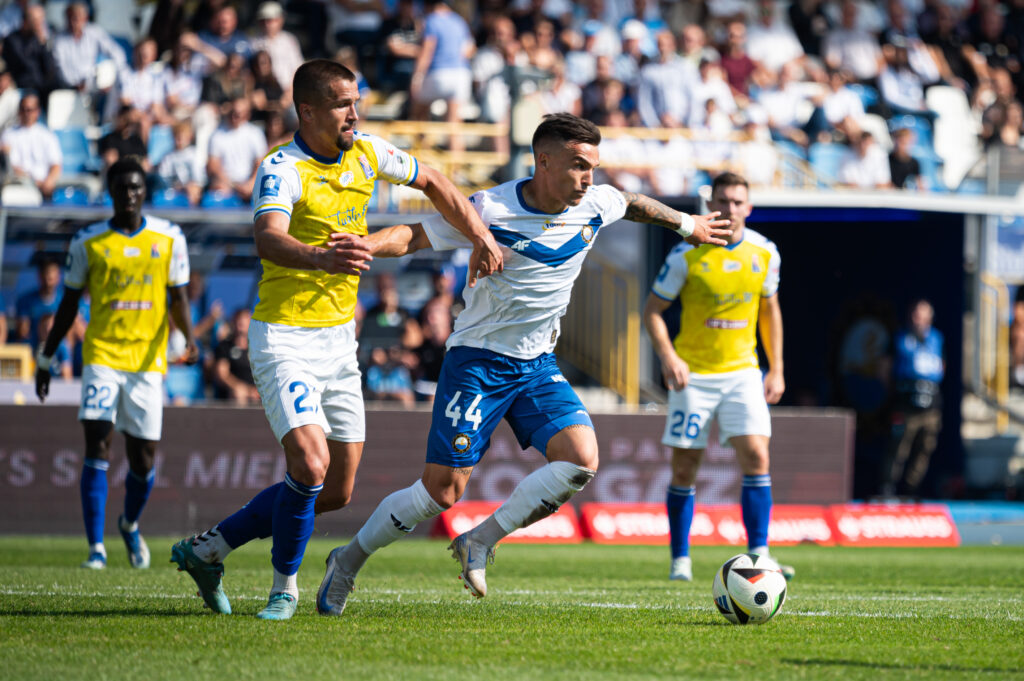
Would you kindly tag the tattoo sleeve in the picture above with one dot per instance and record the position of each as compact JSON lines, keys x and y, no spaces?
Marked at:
{"x":641,"y":208}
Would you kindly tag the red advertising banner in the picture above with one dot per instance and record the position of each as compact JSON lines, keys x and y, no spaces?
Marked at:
{"x":712,"y":525}
{"x":894,"y":525}
{"x":563,"y":527}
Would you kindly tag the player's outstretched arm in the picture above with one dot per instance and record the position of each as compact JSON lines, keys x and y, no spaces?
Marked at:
{"x":395,"y":241}
{"x":696,"y":229}
{"x":348,"y":254}
{"x":486,"y":258}
{"x":673,"y":369}
{"x":67,"y":310}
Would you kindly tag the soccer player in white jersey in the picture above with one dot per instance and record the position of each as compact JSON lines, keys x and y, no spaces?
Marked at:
{"x":711,"y":367}
{"x":500,"y":361}
{"x":128,"y":264}
{"x":302,"y":343}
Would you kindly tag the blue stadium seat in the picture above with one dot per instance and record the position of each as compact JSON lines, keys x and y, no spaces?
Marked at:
{"x":790,"y":147}
{"x":125,"y":43}
{"x":868,"y":95}
{"x":78,"y":157}
{"x":185,"y":383}
{"x":170,"y":198}
{"x":233,"y":288}
{"x":18,"y":255}
{"x":220,"y":199}
{"x":161,"y":143}
{"x":973,"y":186}
{"x":700,"y":178}
{"x":71,"y":196}
{"x":825,"y":158}
{"x":104,"y":199}
{"x":931,"y":167}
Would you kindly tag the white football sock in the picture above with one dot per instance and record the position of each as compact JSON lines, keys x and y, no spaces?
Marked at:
{"x":211,"y":547}
{"x":541,"y":493}
{"x":288,"y":584}
{"x":396,"y":516}
{"x":98,"y":548}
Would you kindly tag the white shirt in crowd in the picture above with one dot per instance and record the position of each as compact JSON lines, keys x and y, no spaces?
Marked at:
{"x":181,"y":167}
{"x":285,"y":55}
{"x":902,"y":88}
{"x":868,"y":172}
{"x":239,"y":149}
{"x":856,"y":51}
{"x":666,"y":88}
{"x":773,"y":45}
{"x":841,"y":104}
{"x":77,"y":57}
{"x":34,"y":149}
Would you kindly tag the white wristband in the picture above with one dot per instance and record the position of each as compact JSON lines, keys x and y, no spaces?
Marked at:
{"x":43,"y":362}
{"x":686,"y":225}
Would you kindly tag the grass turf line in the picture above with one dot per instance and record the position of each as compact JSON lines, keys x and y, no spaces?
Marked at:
{"x":553,"y":612}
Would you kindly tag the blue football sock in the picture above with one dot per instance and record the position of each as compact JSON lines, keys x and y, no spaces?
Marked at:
{"x":293,"y":524}
{"x":680,"y":518}
{"x":756,"y":503}
{"x":93,"y":487}
{"x":255,"y":520}
{"x":136,"y":492}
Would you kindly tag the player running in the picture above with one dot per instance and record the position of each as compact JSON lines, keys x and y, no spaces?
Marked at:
{"x":302,"y":343}
{"x":711,"y":368}
{"x":500,"y":361}
{"x":128,"y":264}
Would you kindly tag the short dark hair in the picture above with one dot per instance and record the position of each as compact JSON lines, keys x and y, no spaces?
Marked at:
{"x":124,"y":166}
{"x":566,"y":128}
{"x":728,"y":179}
{"x":309,"y":85}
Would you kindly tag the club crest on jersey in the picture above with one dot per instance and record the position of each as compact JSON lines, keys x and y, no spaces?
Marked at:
{"x":461,"y":442}
{"x":154,"y":251}
{"x":365,"y":165}
{"x":270,"y":185}
{"x":755,"y":266}
{"x":732,"y":266}
{"x":347,"y":178}
{"x":587,"y":233}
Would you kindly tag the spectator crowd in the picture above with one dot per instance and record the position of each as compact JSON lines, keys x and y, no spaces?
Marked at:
{"x":206,"y":91}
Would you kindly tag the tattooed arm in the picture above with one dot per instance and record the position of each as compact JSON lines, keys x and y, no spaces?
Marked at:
{"x":696,"y":229}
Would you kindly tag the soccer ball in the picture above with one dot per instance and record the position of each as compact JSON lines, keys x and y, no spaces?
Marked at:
{"x":749,"y":589}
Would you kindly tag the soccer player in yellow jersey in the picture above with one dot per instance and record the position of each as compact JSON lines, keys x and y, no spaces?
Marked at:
{"x":302,"y":337}
{"x":711,"y":368}
{"x":129,"y":264}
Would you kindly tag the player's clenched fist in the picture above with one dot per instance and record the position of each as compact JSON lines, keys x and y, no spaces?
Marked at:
{"x":345,"y":254}
{"x":486,"y":259}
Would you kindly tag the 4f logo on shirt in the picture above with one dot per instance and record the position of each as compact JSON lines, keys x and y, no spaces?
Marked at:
{"x":367,"y":169}
{"x":270,"y":186}
{"x":521,"y":245}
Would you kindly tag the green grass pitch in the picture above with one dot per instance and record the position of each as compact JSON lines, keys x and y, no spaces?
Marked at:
{"x":554,"y":613}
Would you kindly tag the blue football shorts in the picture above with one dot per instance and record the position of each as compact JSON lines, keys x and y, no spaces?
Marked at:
{"x":478,"y":387}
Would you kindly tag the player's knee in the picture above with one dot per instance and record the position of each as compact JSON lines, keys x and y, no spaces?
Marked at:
{"x":309,"y":470}
{"x":756,"y":462}
{"x":444,"y":495}
{"x":576,"y":445}
{"x":332,"y":500}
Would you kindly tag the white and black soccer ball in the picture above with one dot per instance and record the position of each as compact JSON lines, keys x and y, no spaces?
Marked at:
{"x":749,"y":589}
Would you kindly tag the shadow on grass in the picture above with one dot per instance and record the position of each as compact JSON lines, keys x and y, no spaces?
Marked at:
{"x":914,"y":667}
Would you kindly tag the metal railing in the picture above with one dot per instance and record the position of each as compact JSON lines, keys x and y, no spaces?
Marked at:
{"x":601,"y":328}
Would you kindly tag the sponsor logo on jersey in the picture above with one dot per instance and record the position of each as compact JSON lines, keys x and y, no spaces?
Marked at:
{"x":270,"y":186}
{"x":521,"y":245}
{"x":131,"y":305}
{"x":367,"y":169}
{"x":726,"y":323}
{"x":558,"y":378}
{"x":347,"y":178}
{"x":552,"y":224}
{"x":704,"y":267}
{"x":461,"y":442}
{"x":277,"y":159}
{"x":732,"y":266}
{"x":321,"y":180}
{"x":131,"y":252}
{"x":345,"y":217}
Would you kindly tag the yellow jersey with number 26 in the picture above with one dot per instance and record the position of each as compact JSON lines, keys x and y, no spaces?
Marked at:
{"x":720,"y":289}
{"x":127,"y":276}
{"x":320,"y":196}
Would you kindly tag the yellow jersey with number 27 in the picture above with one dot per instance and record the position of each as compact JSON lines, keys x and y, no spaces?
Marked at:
{"x":320,"y":196}
{"x":720,"y":289}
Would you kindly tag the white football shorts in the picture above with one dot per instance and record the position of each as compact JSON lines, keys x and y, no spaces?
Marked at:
{"x":132,"y":400}
{"x":454,"y":84}
{"x":735,"y":399}
{"x":309,"y":376}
